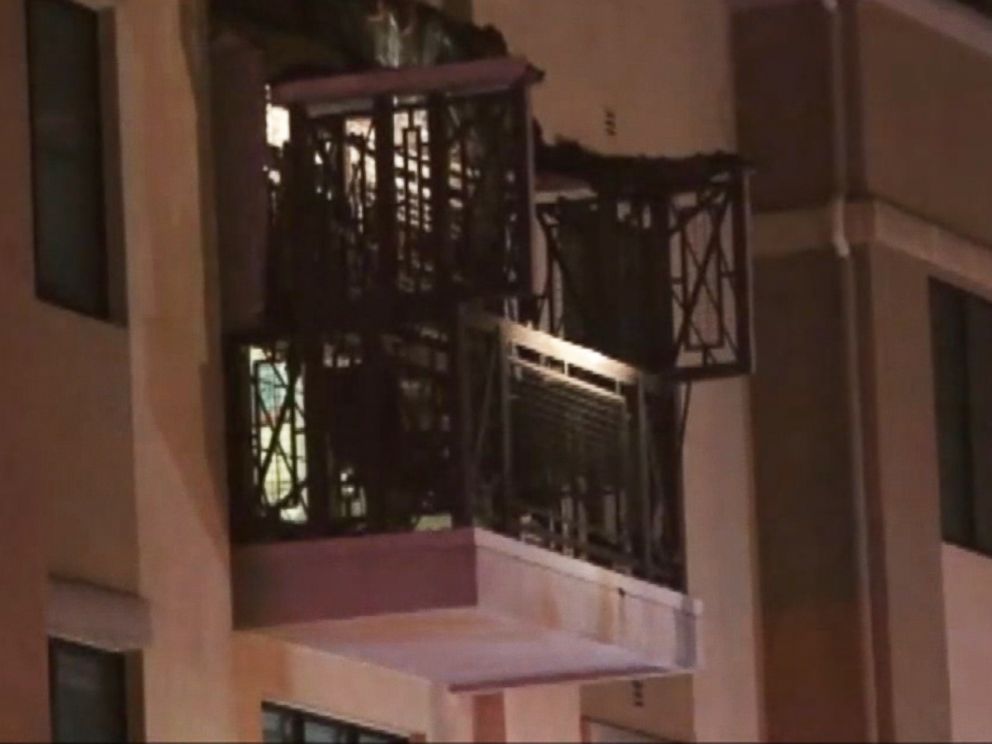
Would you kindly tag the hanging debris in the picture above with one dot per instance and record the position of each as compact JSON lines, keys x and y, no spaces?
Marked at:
{"x":328,"y":36}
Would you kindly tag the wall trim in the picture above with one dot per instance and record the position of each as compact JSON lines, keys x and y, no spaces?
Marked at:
{"x":867,"y":222}
{"x":959,"y":22}
{"x":96,"y":616}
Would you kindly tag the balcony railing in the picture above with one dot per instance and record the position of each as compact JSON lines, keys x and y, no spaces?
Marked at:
{"x":401,"y":192}
{"x":648,"y":259}
{"x":497,"y":426}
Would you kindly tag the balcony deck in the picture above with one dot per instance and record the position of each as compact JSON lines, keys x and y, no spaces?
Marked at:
{"x":464,"y":608}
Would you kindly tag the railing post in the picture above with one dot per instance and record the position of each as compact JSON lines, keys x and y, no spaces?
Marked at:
{"x":506,"y":429}
{"x":440,"y":205}
{"x":387,"y":231}
{"x":305,"y":224}
{"x":527,"y":216}
{"x":742,"y":268}
{"x":659,"y":268}
{"x":465,"y":506}
{"x":240,"y":446}
{"x":644,"y":477}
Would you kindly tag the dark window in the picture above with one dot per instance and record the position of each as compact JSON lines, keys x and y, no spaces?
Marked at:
{"x":286,"y":725}
{"x":67,"y":149}
{"x":962,"y":348}
{"x":88,"y":696}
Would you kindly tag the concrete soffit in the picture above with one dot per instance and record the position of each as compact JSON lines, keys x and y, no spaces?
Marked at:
{"x":959,"y":22}
{"x":871,"y":222}
{"x":96,"y":616}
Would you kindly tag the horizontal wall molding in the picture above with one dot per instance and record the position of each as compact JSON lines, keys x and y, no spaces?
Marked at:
{"x":951,"y":19}
{"x":871,"y":222}
{"x":96,"y":616}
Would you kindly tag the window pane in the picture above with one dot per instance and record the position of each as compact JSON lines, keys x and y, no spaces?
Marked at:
{"x":949,"y":325}
{"x":277,"y":726}
{"x":325,"y":733}
{"x":67,"y":154}
{"x":287,"y":725}
{"x":980,"y":414}
{"x":88,"y":698}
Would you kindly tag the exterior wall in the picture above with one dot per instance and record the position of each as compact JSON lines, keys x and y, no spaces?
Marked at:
{"x":675,"y":97}
{"x":23,"y":676}
{"x":813,"y":666}
{"x":925,"y":600}
{"x":663,"y":707}
{"x":922,"y":65}
{"x":808,"y":485}
{"x":539,"y":714}
{"x":65,"y":443}
{"x":848,"y":496}
{"x":268,"y":670}
{"x":783,"y":62}
{"x":909,"y":68}
{"x":722,"y":561}
{"x":71,"y":376}
{"x":967,"y":599}
{"x":175,"y":379}
{"x":904,"y":496}
{"x":913,"y":250}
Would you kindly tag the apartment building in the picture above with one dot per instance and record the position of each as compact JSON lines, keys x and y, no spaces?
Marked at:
{"x":487,"y":370}
{"x":330,"y":444}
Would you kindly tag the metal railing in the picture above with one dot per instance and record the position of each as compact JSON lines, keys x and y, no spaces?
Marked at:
{"x":650,"y":263}
{"x":494,"y":425}
{"x":406,"y":202}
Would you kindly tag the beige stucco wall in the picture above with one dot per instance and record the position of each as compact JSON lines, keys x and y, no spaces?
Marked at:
{"x":23,"y":675}
{"x":926,"y":110}
{"x":785,"y":112}
{"x":722,"y":560}
{"x":944,"y":650}
{"x":65,"y":443}
{"x":174,"y":371}
{"x":813,"y":671}
{"x":914,"y":110}
{"x":537,"y":714}
{"x":923,"y":615}
{"x":71,"y":375}
{"x":903,"y":492}
{"x":967,"y":607}
{"x":268,"y":670}
{"x":661,"y":67}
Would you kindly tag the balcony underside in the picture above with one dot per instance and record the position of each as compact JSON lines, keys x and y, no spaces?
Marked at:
{"x":465,"y":608}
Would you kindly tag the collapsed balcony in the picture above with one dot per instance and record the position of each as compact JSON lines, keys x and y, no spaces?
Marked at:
{"x":478,"y":423}
{"x":485,"y":510}
{"x":647,"y":259}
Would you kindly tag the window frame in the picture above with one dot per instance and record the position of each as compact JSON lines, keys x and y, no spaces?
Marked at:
{"x":301,"y":717}
{"x":117,"y":660}
{"x":967,"y":496}
{"x":110,"y":294}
